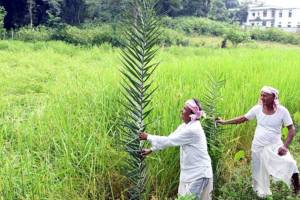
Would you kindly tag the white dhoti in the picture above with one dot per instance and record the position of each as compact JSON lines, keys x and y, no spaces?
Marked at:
{"x":201,"y":188}
{"x":265,"y":163}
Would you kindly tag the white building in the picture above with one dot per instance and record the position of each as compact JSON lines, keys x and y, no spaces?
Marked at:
{"x":285,"y":18}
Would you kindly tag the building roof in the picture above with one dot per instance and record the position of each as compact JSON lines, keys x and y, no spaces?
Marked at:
{"x":271,"y":8}
{"x":284,"y":4}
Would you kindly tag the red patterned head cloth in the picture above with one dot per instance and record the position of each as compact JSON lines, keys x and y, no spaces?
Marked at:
{"x":197,"y":113}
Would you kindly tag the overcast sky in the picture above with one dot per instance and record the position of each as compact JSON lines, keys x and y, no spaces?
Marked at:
{"x":284,"y":3}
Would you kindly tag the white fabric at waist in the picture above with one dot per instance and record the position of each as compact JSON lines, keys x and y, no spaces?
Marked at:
{"x":189,"y":175}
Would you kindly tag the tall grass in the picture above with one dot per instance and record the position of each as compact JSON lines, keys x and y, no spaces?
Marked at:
{"x":58,"y":109}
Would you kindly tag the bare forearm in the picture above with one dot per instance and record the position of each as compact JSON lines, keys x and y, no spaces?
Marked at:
{"x":237,"y":120}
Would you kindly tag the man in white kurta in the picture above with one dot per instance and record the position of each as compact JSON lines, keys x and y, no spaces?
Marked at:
{"x":196,"y":176}
{"x":265,"y":145}
{"x":270,"y":156}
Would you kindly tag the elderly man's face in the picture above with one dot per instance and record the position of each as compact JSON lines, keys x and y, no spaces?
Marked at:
{"x":266,"y":98}
{"x":185,"y":114}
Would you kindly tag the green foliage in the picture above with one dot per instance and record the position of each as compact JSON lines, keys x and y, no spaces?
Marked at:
{"x":211,"y":99}
{"x":171,"y":37}
{"x":285,"y":132}
{"x":177,"y":31}
{"x":218,"y":11}
{"x":141,"y":34}
{"x":109,"y":11}
{"x":200,"y":26}
{"x":2,"y":15}
{"x":239,"y":15}
{"x":239,"y":187}
{"x":275,"y":35}
{"x":296,"y":118}
{"x":236,"y":36}
{"x":75,"y":35}
{"x":239,"y":155}
{"x":90,"y":35}
{"x":54,"y":14}
{"x":40,"y":33}
{"x":57,"y":112}
{"x":232,"y":3}
{"x":204,"y":26}
{"x":187,"y":197}
{"x":73,"y":11}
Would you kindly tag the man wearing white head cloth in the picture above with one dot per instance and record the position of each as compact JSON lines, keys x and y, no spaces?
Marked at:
{"x":196,"y":176}
{"x":270,"y":155}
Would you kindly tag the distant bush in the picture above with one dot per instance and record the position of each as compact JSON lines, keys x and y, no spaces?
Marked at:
{"x":236,"y":36}
{"x":171,"y":37}
{"x":86,"y":35}
{"x":175,"y":31}
{"x":40,"y":33}
{"x":275,"y":35}
{"x":233,"y":32}
{"x":196,"y":25}
{"x":95,"y":35}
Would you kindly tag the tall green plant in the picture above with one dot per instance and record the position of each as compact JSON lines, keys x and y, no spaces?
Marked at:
{"x":211,"y":99}
{"x":142,"y":32}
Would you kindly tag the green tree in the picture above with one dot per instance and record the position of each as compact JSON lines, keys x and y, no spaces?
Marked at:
{"x":218,"y":11}
{"x":54,"y":13}
{"x":231,"y":3}
{"x":73,"y":11}
{"x":16,"y":11}
{"x":2,"y":15}
{"x":169,"y":7}
{"x":241,"y":14}
{"x":31,"y":11}
{"x":196,"y":7}
{"x":106,"y":10}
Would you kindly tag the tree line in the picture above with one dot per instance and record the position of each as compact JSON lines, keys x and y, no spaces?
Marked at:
{"x":19,"y":13}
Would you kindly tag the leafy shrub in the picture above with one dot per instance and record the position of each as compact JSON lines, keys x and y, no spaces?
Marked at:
{"x":196,"y":25}
{"x":204,"y":26}
{"x":239,"y":187}
{"x":237,"y":37}
{"x":175,"y":32}
{"x":95,"y":35}
{"x":171,"y":37}
{"x":40,"y":33}
{"x":275,"y":35}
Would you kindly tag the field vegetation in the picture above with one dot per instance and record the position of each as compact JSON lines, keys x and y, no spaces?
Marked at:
{"x":59,"y":106}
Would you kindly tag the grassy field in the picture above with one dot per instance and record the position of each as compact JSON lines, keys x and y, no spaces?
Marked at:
{"x":58,"y":110}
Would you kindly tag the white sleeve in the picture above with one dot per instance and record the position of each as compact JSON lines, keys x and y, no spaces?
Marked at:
{"x":287,"y":120}
{"x":251,"y":114}
{"x":174,"y":139}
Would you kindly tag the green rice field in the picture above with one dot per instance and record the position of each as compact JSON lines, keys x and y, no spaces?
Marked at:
{"x":59,"y":105}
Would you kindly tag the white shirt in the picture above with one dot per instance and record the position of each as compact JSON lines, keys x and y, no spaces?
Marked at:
{"x":195,"y":162}
{"x":268,"y":129}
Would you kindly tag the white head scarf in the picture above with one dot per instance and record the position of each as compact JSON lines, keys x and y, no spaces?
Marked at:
{"x":271,"y":90}
{"x":191,"y":104}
